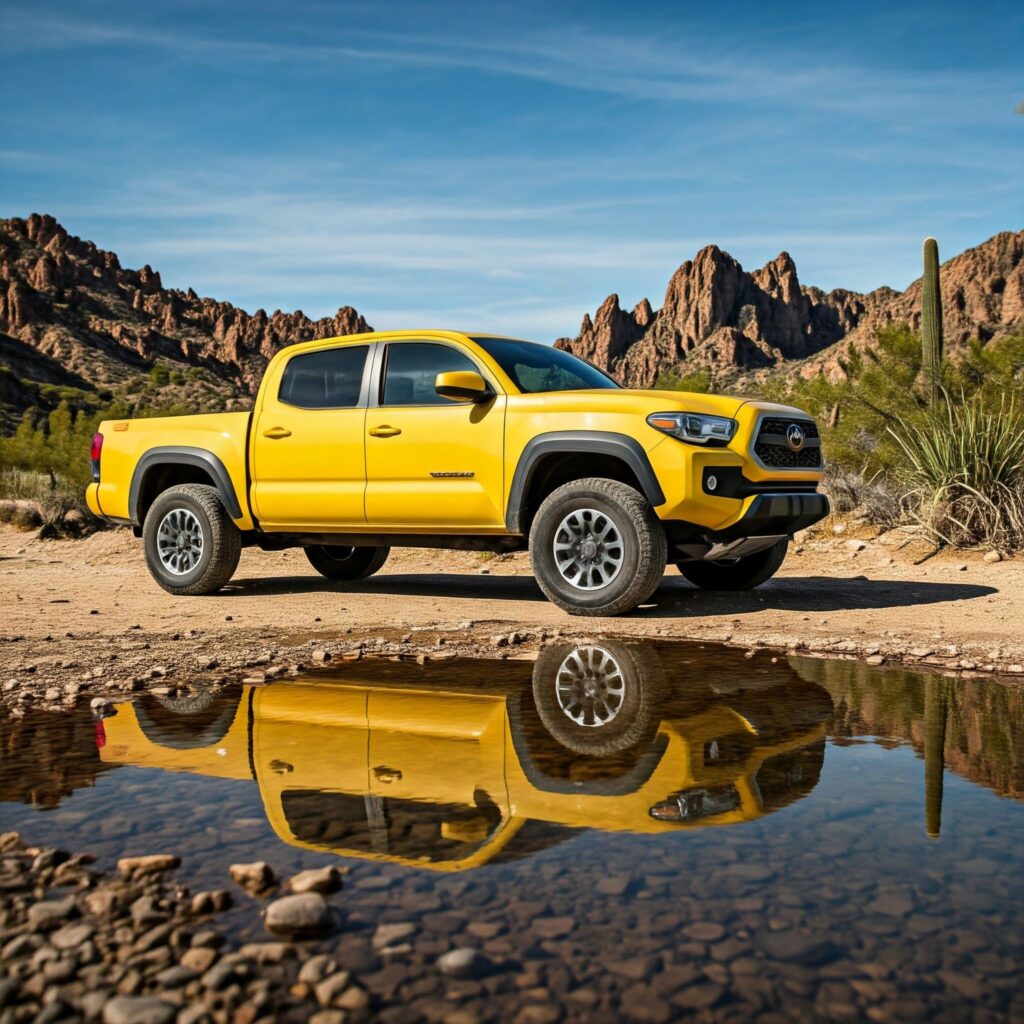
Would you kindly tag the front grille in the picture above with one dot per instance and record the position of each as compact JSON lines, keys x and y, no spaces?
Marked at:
{"x":772,"y":448}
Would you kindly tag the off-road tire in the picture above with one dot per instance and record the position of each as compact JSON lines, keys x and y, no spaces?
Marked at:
{"x":222,"y":540}
{"x":636,"y":715}
{"x":645,"y":550}
{"x":341,"y":562}
{"x":739,"y":574}
{"x":188,"y":723}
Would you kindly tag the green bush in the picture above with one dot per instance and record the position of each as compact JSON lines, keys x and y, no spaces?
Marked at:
{"x":678,"y":379}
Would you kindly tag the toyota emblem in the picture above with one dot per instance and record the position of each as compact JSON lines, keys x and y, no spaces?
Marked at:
{"x":795,"y":437}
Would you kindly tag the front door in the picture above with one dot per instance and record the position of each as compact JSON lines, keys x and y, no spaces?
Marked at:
{"x":309,"y":468}
{"x":432,"y":462}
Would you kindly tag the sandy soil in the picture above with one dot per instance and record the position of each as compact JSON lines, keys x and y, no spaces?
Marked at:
{"x":85,"y":615}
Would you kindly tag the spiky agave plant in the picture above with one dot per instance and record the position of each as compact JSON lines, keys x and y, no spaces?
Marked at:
{"x":965,"y":463}
{"x":931,"y":321}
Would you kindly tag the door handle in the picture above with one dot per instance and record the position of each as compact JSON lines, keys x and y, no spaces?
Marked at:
{"x":387,"y":775}
{"x":276,"y":433}
{"x":384,"y":430}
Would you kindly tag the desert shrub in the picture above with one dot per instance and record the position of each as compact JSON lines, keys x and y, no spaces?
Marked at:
{"x":678,"y":379}
{"x":880,"y":502}
{"x":964,"y":462}
{"x":31,"y":500}
{"x":159,"y":375}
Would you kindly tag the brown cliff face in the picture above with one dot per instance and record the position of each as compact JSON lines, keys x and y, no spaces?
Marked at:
{"x":717,"y":316}
{"x":101,"y":325}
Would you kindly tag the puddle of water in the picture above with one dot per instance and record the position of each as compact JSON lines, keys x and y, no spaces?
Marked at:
{"x":637,"y":830}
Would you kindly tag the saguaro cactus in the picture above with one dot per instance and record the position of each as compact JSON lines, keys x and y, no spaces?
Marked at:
{"x":934,"y":754}
{"x":931,"y":320}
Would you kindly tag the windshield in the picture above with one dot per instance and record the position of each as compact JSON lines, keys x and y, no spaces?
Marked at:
{"x":534,"y":368}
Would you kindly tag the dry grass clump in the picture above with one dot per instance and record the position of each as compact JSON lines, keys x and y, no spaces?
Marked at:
{"x":40,"y":501}
{"x":875,"y":499}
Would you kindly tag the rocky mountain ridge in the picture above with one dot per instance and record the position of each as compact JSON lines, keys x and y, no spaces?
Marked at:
{"x":72,"y":317}
{"x":716,"y":316}
{"x":75,"y":324}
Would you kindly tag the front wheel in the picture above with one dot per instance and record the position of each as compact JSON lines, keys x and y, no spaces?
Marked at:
{"x":343,"y":562}
{"x":192,"y":546}
{"x":598,"y":699}
{"x":737,"y":573}
{"x":597,"y":547}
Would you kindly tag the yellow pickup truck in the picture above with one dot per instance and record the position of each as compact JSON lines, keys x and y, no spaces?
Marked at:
{"x":444,"y":767}
{"x":443,"y":439}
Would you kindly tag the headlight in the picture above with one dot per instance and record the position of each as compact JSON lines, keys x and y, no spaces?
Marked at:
{"x":696,"y":428}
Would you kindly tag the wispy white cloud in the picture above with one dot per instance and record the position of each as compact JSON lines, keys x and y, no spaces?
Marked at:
{"x":675,"y":66}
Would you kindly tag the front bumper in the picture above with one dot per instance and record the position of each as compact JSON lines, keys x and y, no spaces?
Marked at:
{"x":769,"y":518}
{"x":776,"y":514}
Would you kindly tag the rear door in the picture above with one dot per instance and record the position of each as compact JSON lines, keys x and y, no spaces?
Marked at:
{"x":309,"y":469}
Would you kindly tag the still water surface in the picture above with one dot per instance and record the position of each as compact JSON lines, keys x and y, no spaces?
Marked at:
{"x":634,"y":831}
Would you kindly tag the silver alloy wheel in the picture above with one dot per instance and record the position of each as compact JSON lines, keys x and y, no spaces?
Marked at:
{"x":179,"y":541}
{"x":588,"y":549}
{"x":590,"y":686}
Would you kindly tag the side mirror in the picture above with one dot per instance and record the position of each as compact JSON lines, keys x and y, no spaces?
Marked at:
{"x":463,"y":386}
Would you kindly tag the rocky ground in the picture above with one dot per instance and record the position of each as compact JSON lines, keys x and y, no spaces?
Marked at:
{"x":135,"y":948}
{"x":83,"y":617}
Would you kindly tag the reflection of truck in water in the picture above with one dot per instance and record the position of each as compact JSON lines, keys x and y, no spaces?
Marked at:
{"x":426,"y":766}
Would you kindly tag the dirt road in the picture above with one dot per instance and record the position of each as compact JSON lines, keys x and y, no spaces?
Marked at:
{"x":86,"y":614}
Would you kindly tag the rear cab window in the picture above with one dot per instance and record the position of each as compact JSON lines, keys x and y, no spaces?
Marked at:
{"x":329,"y":379}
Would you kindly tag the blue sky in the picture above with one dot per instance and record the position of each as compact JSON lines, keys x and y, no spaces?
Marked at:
{"x":505,"y":166}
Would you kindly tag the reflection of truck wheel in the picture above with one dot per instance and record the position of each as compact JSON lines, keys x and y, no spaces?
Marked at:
{"x":738,"y":573}
{"x":192,"y":546}
{"x":598,"y":699}
{"x":188,"y":723}
{"x":597,"y":547}
{"x":342,"y":562}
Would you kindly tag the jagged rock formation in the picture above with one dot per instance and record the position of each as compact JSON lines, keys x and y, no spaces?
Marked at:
{"x":72,"y":316}
{"x":720,"y":317}
{"x":73,"y":321}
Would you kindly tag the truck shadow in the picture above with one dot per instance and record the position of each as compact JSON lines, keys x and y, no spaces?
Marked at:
{"x":675,"y":597}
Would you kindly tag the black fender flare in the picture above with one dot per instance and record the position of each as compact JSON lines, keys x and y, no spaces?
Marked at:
{"x":619,"y":446}
{"x":176,"y":455}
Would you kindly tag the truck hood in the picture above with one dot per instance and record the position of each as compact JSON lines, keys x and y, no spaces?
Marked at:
{"x":664,"y":401}
{"x":689,"y":401}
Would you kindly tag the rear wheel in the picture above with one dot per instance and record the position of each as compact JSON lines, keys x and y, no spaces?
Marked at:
{"x":737,"y":573}
{"x":343,"y":562}
{"x":597,"y":547}
{"x":192,"y":546}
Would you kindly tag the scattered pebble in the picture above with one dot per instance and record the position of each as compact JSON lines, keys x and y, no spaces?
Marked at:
{"x":152,"y":864}
{"x":323,"y":880}
{"x":301,"y":915}
{"x":465,"y":962}
{"x":255,"y":877}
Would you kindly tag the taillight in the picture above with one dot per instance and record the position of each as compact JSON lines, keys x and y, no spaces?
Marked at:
{"x":101,"y":734}
{"x":94,"y":454}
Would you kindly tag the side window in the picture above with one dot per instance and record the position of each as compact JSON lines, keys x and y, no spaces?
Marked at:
{"x":324,"y":380}
{"x":411,"y":369}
